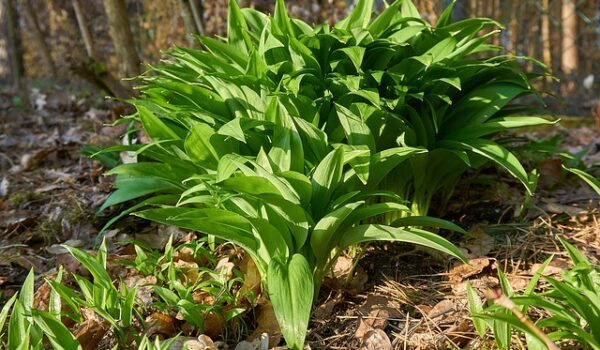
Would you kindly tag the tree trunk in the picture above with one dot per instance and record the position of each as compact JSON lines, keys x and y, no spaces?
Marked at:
{"x":14,"y":48}
{"x":188,"y":21}
{"x":86,"y":35}
{"x":93,"y":70}
{"x":197,"y":8}
{"x":545,"y":33}
{"x":120,"y":33}
{"x":5,"y":74}
{"x":38,"y":35}
{"x":569,"y":61}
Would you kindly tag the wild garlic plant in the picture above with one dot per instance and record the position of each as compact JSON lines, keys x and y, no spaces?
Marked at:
{"x":295,"y":141}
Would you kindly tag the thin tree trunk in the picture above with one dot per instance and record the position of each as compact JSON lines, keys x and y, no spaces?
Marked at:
{"x":14,"y":47}
{"x":545,"y":33}
{"x":86,"y":35}
{"x":5,"y":73}
{"x":569,"y":61}
{"x":93,"y":70}
{"x":514,"y":30}
{"x":122,"y":38}
{"x":197,"y":8}
{"x":188,"y":21}
{"x":38,"y":36}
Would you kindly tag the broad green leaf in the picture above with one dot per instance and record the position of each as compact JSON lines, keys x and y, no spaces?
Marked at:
{"x":18,"y":328}
{"x":383,"y":21}
{"x":408,"y":9}
{"x":5,"y":310}
{"x":96,"y":268}
{"x":372,"y":211}
{"x":54,"y":303}
{"x":205,"y":146}
{"x":325,"y":236}
{"x":58,"y":334}
{"x":360,"y":17}
{"x":476,"y":307}
{"x":481,"y":104}
{"x":26,"y":297}
{"x":355,"y":54}
{"x":589,"y":179}
{"x":155,"y":127}
{"x":325,"y":179}
{"x":356,"y":130}
{"x":135,"y":187}
{"x":446,"y":16}
{"x":237,"y":30}
{"x":426,"y":221}
{"x":220,"y":223}
{"x":290,"y":285}
{"x":372,"y":232}
{"x":497,"y":125}
{"x":496,"y":153}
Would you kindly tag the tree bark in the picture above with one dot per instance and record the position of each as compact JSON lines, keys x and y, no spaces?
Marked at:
{"x":15,"y":50}
{"x":84,"y":29}
{"x":570,"y":58}
{"x":93,"y":70}
{"x":197,"y":8}
{"x":122,"y":38}
{"x":5,"y":73}
{"x":545,"y":33}
{"x":38,"y":36}
{"x":188,"y":21}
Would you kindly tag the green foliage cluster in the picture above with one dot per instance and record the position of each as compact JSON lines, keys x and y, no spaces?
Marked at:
{"x":30,"y":328}
{"x":296,"y":141}
{"x":570,"y":306}
{"x":279,"y":140}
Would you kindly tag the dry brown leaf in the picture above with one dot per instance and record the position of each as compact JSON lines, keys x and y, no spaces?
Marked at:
{"x":29,"y":261}
{"x":91,"y":332}
{"x":42,"y":297}
{"x":213,"y":323}
{"x":376,"y":339}
{"x":251,"y":276}
{"x":261,"y":343}
{"x":186,"y":254}
{"x":203,"y":297}
{"x":225,"y":267}
{"x":518,"y":283}
{"x":481,"y":283}
{"x":556,"y":267}
{"x":557,"y":208}
{"x":460,"y":334}
{"x":325,"y":309}
{"x":479,"y":243}
{"x":550,"y":173}
{"x":68,"y":262}
{"x":190,"y":343}
{"x":189,"y":270}
{"x":338,"y":277}
{"x":374,"y":314}
{"x":462,"y":271}
{"x":442,"y":309}
{"x":160,"y":323}
{"x":267,"y":323}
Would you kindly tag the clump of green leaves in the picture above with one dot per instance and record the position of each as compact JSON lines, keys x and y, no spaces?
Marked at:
{"x":28,"y":327}
{"x":176,"y":285}
{"x":31,"y":328}
{"x":570,"y":307}
{"x":296,"y":141}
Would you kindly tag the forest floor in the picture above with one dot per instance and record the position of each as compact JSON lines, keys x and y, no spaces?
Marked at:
{"x":396,"y":298}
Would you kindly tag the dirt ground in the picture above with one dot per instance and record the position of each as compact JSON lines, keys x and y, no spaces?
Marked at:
{"x":397,"y":298}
